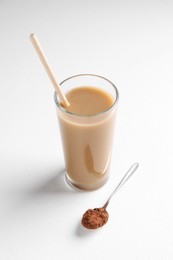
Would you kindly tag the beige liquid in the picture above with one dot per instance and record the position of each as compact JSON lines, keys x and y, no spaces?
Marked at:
{"x":88,"y":101}
{"x":87,"y":140}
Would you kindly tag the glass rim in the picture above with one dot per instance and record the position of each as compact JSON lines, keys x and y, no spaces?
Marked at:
{"x":87,"y":115}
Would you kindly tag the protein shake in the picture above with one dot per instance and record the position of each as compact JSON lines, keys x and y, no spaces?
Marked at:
{"x":87,"y":129}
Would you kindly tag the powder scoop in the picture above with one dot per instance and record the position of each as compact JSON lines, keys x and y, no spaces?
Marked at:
{"x":95,"y":218}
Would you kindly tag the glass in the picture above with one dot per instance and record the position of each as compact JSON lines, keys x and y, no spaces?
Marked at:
{"x":87,"y":139}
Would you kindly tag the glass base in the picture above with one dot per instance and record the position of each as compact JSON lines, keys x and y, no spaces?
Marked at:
{"x":84,"y":187}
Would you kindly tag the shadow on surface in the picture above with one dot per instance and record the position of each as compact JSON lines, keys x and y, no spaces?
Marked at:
{"x":56,"y":183}
{"x":81,"y":231}
{"x":31,"y":193}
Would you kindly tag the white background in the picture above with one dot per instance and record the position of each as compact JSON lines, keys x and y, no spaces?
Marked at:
{"x":129,"y":42}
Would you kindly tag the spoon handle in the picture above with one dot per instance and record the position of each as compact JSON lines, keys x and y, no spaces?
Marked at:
{"x":126,"y":177}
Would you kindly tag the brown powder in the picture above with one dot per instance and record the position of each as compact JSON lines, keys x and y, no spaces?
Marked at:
{"x":95,"y":218}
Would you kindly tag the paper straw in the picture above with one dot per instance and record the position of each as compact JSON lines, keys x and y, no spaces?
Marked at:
{"x":48,"y":69}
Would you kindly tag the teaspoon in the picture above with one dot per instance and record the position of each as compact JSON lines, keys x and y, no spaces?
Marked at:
{"x":95,"y":218}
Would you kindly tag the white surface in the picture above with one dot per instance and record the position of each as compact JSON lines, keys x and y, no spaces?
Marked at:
{"x":129,"y":42}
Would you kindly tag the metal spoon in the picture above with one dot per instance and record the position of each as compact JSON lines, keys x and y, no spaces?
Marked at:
{"x":126,"y":177}
{"x":95,"y":218}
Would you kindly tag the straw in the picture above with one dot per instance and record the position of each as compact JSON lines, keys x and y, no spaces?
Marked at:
{"x":48,"y":69}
